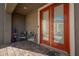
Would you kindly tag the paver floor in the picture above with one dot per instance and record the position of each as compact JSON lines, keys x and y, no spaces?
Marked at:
{"x":22,"y":48}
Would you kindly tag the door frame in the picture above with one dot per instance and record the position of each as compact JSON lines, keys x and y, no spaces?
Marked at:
{"x":72,"y":27}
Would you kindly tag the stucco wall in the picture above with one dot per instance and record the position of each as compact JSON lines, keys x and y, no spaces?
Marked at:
{"x":18,"y":22}
{"x":5,"y":25}
{"x":32,"y":21}
{"x":76,"y":11}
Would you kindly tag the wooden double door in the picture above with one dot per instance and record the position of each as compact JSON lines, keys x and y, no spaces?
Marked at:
{"x":54,"y":26}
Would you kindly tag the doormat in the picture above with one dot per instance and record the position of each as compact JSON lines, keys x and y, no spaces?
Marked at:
{"x":53,"y":53}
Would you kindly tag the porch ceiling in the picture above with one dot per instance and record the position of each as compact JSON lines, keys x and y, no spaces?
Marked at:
{"x":9,"y":7}
{"x":24,"y":8}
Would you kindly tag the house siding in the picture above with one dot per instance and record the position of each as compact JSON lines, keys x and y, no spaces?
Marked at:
{"x":1,"y":22}
{"x":7,"y":28}
{"x":76,"y":13}
{"x":5,"y":25}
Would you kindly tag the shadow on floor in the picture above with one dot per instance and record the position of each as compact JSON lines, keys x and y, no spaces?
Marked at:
{"x":29,"y":46}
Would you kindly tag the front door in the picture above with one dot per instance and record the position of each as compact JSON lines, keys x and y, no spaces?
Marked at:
{"x":54,"y":26}
{"x":60,"y":26}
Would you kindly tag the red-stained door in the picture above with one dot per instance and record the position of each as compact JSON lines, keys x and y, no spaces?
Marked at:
{"x":54,"y":26}
{"x":60,"y":26}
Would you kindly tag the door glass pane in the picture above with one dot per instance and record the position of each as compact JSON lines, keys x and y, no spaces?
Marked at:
{"x":45,"y":25}
{"x":59,"y":24}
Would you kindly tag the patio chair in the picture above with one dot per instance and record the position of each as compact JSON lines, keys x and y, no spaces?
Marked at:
{"x":23,"y":36}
